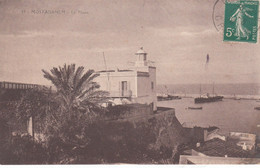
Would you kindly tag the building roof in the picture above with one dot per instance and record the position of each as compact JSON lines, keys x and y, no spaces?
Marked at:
{"x":186,"y":159}
{"x":105,"y":71}
{"x":118,"y":70}
{"x":220,"y":148}
{"x":141,"y":51}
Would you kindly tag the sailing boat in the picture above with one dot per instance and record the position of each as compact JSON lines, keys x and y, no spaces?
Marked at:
{"x":208,"y":98}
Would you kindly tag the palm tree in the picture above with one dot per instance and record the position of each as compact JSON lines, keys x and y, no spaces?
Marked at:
{"x":76,"y":90}
{"x":78,"y":98}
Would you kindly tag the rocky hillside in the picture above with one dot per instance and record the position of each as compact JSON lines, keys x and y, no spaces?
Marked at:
{"x":149,"y":138}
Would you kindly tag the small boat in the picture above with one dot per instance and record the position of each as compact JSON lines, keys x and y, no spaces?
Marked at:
{"x":257,"y":108}
{"x":195,"y":108}
{"x":236,"y":98}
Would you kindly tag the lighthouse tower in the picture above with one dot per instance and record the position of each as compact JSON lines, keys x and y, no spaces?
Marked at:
{"x":145,"y":79}
{"x":141,"y":58}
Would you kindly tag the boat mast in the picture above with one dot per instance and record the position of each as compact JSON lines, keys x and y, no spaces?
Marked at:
{"x":213,"y":89}
{"x":167,"y":91}
{"x":108,"y":82}
{"x":200,"y":90}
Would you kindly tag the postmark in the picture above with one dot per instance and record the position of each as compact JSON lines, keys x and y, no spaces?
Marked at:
{"x":218,"y":15}
{"x":241,"y":21}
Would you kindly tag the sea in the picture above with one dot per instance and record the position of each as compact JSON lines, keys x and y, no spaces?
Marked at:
{"x":235,"y":113}
{"x":246,"y":90}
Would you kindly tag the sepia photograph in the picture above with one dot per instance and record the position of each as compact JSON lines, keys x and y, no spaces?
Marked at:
{"x":129,"y":82}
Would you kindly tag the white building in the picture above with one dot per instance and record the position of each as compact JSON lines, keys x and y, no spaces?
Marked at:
{"x":245,"y":140}
{"x":136,"y":84}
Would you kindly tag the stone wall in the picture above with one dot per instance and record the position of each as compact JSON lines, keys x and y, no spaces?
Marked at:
{"x":128,"y":111}
{"x":169,"y":131}
{"x":167,"y":127}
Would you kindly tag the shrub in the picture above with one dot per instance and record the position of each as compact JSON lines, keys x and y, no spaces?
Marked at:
{"x":22,"y":149}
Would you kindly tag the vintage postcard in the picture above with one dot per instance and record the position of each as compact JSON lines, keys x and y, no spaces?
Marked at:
{"x":129,"y":82}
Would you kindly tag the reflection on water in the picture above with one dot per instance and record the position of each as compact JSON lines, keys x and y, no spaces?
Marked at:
{"x":229,"y":115}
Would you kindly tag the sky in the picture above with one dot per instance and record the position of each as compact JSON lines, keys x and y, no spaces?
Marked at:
{"x":177,"y":35}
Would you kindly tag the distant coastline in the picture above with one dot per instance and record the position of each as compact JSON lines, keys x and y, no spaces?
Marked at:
{"x":241,"y":90}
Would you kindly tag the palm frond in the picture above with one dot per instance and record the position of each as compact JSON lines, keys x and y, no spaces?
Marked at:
{"x":76,"y":90}
{"x":84,"y":78}
{"x":77,"y":76}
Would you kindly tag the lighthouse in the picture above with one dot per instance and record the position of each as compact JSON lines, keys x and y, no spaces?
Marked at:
{"x":137,"y":83}
{"x":141,"y":58}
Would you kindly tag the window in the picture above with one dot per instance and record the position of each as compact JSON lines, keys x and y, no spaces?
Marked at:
{"x":124,"y":88}
{"x":152,"y":85}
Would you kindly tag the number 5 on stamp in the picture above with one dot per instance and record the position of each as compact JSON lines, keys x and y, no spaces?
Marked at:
{"x":241,"y":20}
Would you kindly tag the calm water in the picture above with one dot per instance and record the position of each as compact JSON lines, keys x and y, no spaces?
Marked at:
{"x":228,"y":115}
{"x":242,"y":89}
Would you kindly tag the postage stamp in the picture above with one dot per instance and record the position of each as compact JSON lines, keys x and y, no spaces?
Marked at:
{"x":241,"y":20}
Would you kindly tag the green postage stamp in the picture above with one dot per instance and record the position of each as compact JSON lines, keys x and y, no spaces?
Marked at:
{"x":241,"y":20}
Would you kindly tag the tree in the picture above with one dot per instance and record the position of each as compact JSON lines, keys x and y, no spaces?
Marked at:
{"x":76,"y":90}
{"x":17,"y":147}
{"x":35,"y":103}
{"x":78,"y":98}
